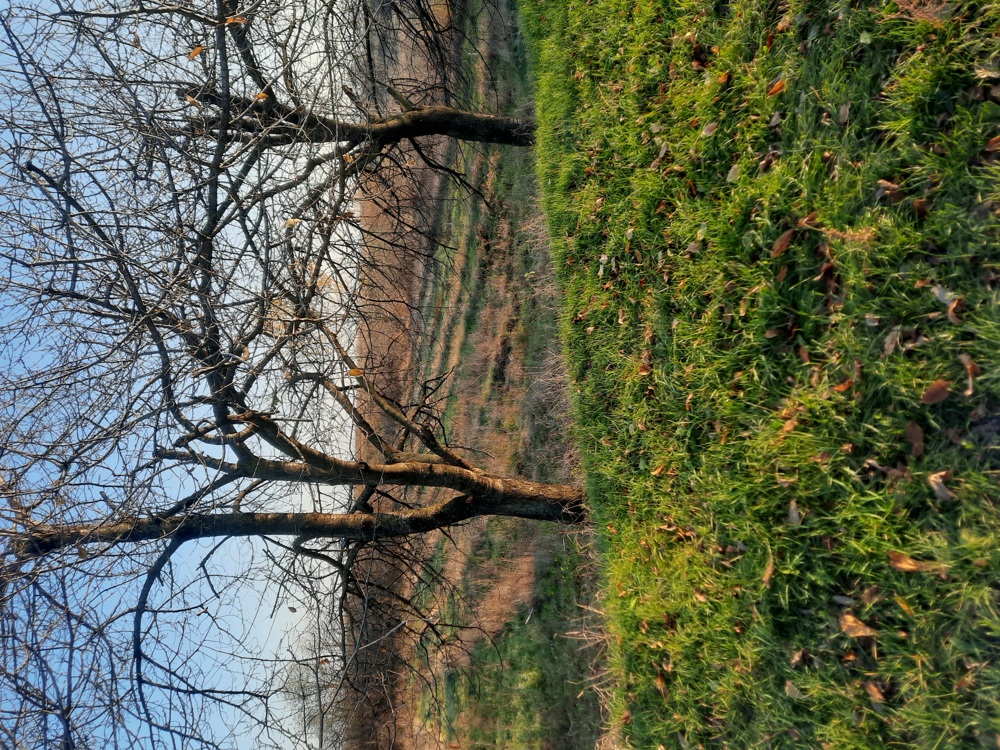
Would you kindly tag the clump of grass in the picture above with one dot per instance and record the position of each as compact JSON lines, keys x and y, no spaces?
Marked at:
{"x":776,"y":224}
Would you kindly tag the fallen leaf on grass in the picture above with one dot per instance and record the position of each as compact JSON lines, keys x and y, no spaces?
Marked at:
{"x":915,"y":437}
{"x":953,"y":307}
{"x":710,"y":128}
{"x":972,"y":370}
{"x":646,"y":365}
{"x":844,"y":114}
{"x":661,"y":685}
{"x":853,"y":627}
{"x":846,"y":385}
{"x":876,"y":696}
{"x":905,"y":564}
{"x":903,"y":605}
{"x":892,"y":192}
{"x":794,"y":514}
{"x":936,"y":393}
{"x":781,"y":244}
{"x":993,"y":144}
{"x":891,"y":342}
{"x":768,"y":571}
{"x":777,"y":88}
{"x":793,"y":692}
{"x":967,"y":681}
{"x":799,"y":658}
{"x":937,"y":483}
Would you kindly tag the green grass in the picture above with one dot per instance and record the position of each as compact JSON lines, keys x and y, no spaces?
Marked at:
{"x":528,"y":688}
{"x":743,"y":409}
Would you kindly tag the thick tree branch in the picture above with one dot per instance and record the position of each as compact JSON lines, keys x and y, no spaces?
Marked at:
{"x":564,"y":505}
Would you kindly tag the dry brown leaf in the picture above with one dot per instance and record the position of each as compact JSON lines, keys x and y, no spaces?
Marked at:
{"x":794,"y":515}
{"x":770,"y":333}
{"x":782,"y":273}
{"x":646,"y":365}
{"x":902,"y":562}
{"x":876,"y":696}
{"x":936,"y":393}
{"x":953,"y":307}
{"x":354,"y":372}
{"x":793,"y":692}
{"x":658,"y":470}
{"x":777,"y":88}
{"x":292,"y":222}
{"x":846,"y":385}
{"x":196,"y":51}
{"x":192,"y":101}
{"x":781,"y":244}
{"x":790,"y":425}
{"x":853,"y":627}
{"x":661,"y":685}
{"x":937,"y":483}
{"x":809,"y":222}
{"x":844,"y":114}
{"x":972,"y":370}
{"x":768,"y":571}
{"x":710,"y":128}
{"x":906,"y":564}
{"x":232,"y":20}
{"x":967,"y":681}
{"x":890,"y":191}
{"x":891,"y":342}
{"x":993,"y":144}
{"x":903,"y":605}
{"x":799,"y":657}
{"x":915,"y":437}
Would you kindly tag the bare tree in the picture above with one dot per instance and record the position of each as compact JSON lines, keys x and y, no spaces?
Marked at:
{"x":184,"y":290}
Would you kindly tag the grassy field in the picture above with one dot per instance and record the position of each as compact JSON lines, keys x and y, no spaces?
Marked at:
{"x":493,"y":324}
{"x":776,"y":228}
